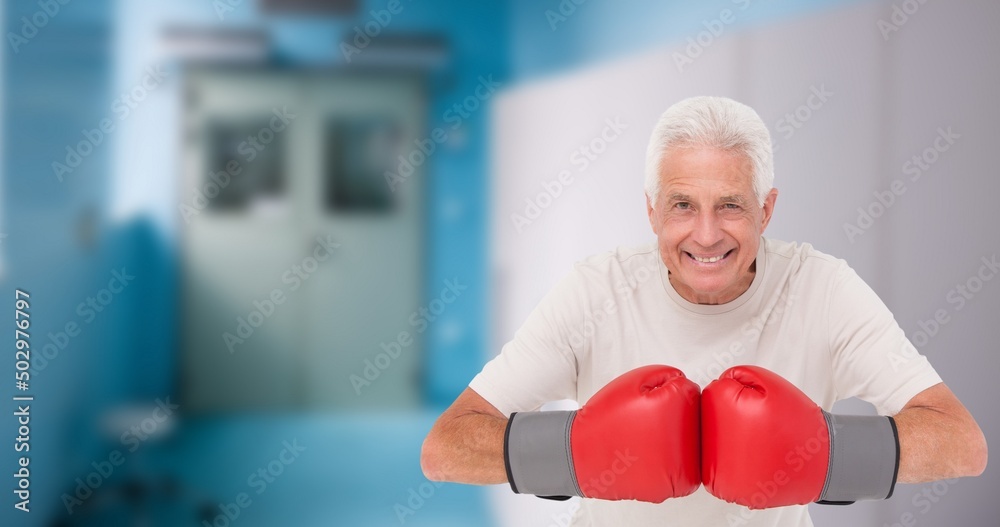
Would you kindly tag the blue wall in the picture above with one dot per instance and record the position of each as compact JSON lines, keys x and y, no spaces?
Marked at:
{"x":62,"y":249}
{"x":55,"y":85}
{"x":556,"y":35}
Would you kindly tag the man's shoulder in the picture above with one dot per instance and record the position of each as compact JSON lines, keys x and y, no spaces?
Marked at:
{"x":791,"y":263}
{"x":625,"y":264}
{"x":801,"y":257}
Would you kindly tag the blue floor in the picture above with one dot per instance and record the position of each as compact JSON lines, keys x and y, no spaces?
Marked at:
{"x":354,"y":470}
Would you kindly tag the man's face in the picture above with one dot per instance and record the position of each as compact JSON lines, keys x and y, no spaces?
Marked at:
{"x":708,"y":223}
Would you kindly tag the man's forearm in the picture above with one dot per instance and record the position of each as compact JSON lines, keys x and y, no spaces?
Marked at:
{"x":937,"y":445}
{"x":466,"y":449}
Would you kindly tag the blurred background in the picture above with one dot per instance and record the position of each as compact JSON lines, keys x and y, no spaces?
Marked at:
{"x":267,"y":242}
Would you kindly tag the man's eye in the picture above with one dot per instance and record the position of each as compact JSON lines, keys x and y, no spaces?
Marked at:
{"x":683,"y":205}
{"x":731,"y":206}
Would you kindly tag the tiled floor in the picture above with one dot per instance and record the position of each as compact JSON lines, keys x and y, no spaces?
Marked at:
{"x":350,"y":470}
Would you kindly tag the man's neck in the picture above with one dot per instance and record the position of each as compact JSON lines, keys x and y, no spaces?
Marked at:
{"x":719,"y":298}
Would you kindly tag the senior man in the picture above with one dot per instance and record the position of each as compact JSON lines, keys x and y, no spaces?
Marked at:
{"x":637,"y":335}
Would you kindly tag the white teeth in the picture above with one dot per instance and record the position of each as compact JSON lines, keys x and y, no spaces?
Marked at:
{"x":708,"y":260}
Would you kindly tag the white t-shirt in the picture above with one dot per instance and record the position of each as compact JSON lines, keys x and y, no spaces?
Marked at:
{"x":807,"y":316}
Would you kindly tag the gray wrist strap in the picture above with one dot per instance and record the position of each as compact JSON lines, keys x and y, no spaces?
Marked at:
{"x":537,"y":454}
{"x":864,"y":458}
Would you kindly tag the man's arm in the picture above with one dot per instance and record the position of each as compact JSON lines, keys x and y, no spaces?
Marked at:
{"x":938,"y":438}
{"x":465,"y":445}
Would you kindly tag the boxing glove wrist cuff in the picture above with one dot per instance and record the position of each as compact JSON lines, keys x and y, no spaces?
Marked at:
{"x":537,"y":455}
{"x":864,"y":458}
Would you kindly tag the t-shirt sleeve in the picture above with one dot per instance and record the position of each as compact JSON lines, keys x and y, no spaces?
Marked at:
{"x":872,"y":358}
{"x":539,"y":364}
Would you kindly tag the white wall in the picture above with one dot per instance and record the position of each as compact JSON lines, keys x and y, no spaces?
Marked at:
{"x":889,"y":96}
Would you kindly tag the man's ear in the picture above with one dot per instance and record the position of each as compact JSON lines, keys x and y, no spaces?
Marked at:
{"x":650,"y":212}
{"x":768,"y":207}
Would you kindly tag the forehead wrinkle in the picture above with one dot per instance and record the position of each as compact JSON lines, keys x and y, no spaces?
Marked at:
{"x":729,"y":198}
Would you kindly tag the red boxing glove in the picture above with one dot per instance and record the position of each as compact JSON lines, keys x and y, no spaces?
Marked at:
{"x":766,"y":444}
{"x":637,"y":438}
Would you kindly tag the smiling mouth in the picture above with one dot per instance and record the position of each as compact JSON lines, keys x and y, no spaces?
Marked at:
{"x":709,"y":259}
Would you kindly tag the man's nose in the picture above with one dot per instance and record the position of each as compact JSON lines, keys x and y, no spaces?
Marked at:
{"x":707,"y":230}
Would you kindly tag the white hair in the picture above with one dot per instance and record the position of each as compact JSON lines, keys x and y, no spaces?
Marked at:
{"x":715,"y":122}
